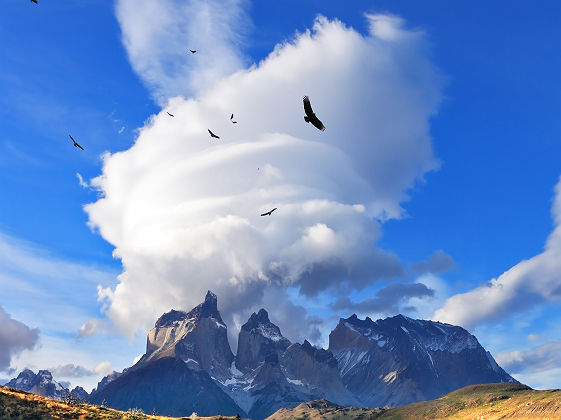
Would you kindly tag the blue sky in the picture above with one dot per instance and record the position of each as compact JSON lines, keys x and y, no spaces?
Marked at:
{"x":486,"y":76}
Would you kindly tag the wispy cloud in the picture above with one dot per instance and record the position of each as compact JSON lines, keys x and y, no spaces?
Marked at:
{"x":538,"y":359}
{"x":387,"y":300}
{"x":71,"y":370}
{"x":158,"y":36}
{"x":527,"y":284}
{"x":62,"y":291}
{"x":81,"y":181}
{"x":91,"y":327}
{"x":439,"y":262}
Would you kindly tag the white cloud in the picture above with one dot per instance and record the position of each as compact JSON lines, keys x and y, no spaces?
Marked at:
{"x":70,"y":370}
{"x":182,"y":210}
{"x":15,"y":336}
{"x":439,"y":262}
{"x":538,"y":359}
{"x":158,"y":35}
{"x":92,"y":326}
{"x":104,"y":368}
{"x":528,"y":283}
{"x":81,"y":181}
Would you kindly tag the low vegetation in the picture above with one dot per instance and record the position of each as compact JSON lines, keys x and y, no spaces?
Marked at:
{"x":21,"y":405}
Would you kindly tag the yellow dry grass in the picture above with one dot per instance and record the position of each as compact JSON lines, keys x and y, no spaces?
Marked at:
{"x":16,"y":404}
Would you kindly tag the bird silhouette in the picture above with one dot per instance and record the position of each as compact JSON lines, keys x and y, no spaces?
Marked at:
{"x":231,"y":119}
{"x":213,"y":135}
{"x":34,"y":1}
{"x":310,"y":116}
{"x":171,"y":115}
{"x":74,"y":141}
{"x":269,"y":212}
{"x":192,"y":51}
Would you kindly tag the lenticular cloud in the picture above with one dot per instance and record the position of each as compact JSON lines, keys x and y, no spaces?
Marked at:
{"x":183,"y":210}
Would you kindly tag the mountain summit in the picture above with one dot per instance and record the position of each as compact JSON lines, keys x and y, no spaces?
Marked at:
{"x":198,"y":338}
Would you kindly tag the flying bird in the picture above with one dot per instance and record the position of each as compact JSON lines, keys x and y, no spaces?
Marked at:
{"x":310,"y":116}
{"x":192,"y":51}
{"x":34,"y":1}
{"x":269,"y":212}
{"x":214,"y":136}
{"x":171,"y":115}
{"x":231,"y":119}
{"x":74,"y":141}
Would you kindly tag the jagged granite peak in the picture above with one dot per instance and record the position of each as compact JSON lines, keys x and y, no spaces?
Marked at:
{"x":399,"y":360}
{"x":198,"y":337}
{"x":258,"y":338}
{"x":207,"y":309}
{"x":41,"y":383}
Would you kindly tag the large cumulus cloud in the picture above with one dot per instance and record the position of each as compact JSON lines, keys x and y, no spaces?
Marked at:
{"x":536,"y":280}
{"x":183,"y":210}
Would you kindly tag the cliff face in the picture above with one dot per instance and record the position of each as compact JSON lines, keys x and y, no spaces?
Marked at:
{"x":198,"y":337}
{"x":400,"y":360}
{"x":258,"y":338}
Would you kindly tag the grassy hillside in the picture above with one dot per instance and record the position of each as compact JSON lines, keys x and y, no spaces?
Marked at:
{"x":15,"y":404}
{"x":489,"y":401}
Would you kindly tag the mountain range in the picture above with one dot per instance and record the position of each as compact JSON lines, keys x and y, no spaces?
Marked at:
{"x":189,"y":366}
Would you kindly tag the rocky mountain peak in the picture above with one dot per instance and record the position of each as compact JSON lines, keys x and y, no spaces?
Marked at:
{"x":258,"y":339}
{"x":41,"y":383}
{"x":45,"y":375}
{"x":197,"y":337}
{"x":207,"y":309}
{"x":379,"y":359}
{"x":357,"y":322}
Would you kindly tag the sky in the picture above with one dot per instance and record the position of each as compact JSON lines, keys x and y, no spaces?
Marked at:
{"x":435,"y":190}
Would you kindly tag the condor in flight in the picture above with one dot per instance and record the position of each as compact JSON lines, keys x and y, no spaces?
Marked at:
{"x":214,"y":136}
{"x":74,"y":141}
{"x":310,"y":116}
{"x":269,"y":212}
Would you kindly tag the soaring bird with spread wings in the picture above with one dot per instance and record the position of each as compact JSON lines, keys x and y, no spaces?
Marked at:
{"x":34,"y":1}
{"x":310,"y":116}
{"x":74,"y":141}
{"x":269,"y":212}
{"x":214,"y":136}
